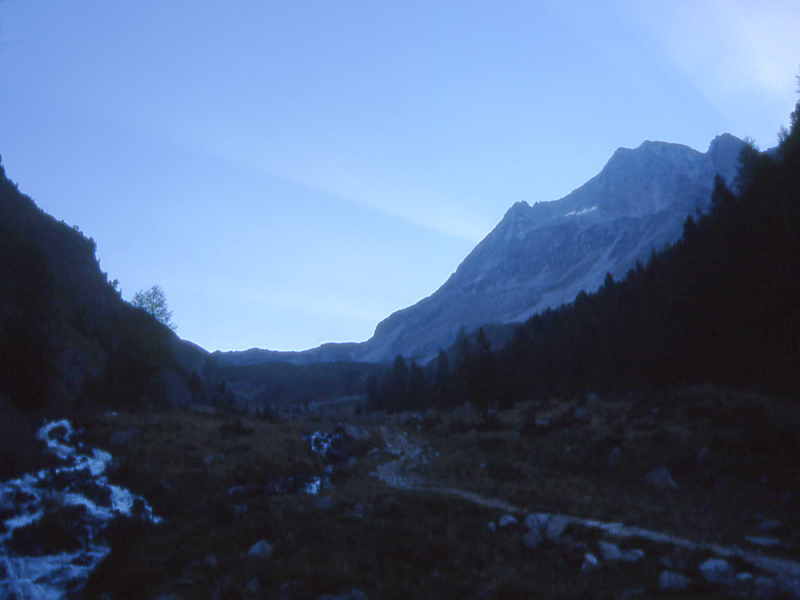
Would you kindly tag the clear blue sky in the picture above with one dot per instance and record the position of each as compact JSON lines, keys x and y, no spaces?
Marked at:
{"x":293,"y":172}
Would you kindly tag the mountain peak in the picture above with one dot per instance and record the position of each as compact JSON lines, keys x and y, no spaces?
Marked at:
{"x":541,"y":256}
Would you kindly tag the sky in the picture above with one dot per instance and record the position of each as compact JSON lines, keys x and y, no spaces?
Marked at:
{"x":291,"y":172}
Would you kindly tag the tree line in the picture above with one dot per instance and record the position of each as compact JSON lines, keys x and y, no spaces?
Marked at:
{"x":719,"y":306}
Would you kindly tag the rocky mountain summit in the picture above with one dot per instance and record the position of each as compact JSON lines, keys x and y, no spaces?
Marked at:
{"x":541,"y":256}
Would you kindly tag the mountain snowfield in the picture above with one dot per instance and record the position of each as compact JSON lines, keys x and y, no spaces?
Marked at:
{"x":542,"y":256}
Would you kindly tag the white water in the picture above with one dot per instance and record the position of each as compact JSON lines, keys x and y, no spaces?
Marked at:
{"x":29,"y":498}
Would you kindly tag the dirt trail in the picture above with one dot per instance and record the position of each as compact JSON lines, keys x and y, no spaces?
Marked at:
{"x":401,"y":474}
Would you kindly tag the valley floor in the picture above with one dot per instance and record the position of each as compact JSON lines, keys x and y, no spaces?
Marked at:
{"x":599,"y":498}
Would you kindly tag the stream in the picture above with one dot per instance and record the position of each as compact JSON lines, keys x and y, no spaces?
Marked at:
{"x":52,"y":520}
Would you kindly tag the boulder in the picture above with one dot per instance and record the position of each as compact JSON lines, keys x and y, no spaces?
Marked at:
{"x":673,"y":582}
{"x":492,"y":527}
{"x":661,"y":478}
{"x":351,"y":595}
{"x":632,"y":556}
{"x":764,"y":542}
{"x":718,"y":572}
{"x":506,"y":521}
{"x":536,"y":521}
{"x":260,"y":549}
{"x":354,"y":432}
{"x":610,"y":551}
{"x":555,"y":526}
{"x":590,"y":562}
{"x":210,"y":562}
{"x":580,"y":414}
{"x":703,"y":457}
{"x":768,"y":525}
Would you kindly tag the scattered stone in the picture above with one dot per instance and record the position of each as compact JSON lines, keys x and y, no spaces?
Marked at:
{"x":661,"y":478}
{"x":717,"y":571}
{"x":768,"y":525}
{"x":323,"y":503}
{"x":351,"y":595}
{"x":765,"y":587}
{"x":506,"y":521}
{"x":590,"y":562}
{"x":580,"y":414}
{"x":673,"y":582}
{"x":492,"y":527}
{"x":555,"y":527}
{"x":613,"y":458}
{"x":532,"y":539}
{"x":253,"y":585}
{"x":210,"y":562}
{"x":354,"y":432}
{"x":536,"y":521}
{"x":610,"y":551}
{"x":121,"y":438}
{"x":260,"y":549}
{"x":632,"y":556}
{"x":764,"y":542}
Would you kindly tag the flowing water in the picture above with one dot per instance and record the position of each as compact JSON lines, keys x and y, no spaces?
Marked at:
{"x":52,"y":520}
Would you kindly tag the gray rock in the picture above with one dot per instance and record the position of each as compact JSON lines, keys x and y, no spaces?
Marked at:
{"x":744,"y":577}
{"x":580,"y":414}
{"x":506,"y":521}
{"x":764,"y":542}
{"x":253,"y":585}
{"x":492,"y":527}
{"x":609,"y":551}
{"x":354,"y":432}
{"x":673,"y":582}
{"x":351,"y":595}
{"x":260,"y":549}
{"x":210,"y":562}
{"x":555,"y":527}
{"x":532,"y":539}
{"x":703,"y":457}
{"x":640,"y":200}
{"x":765,"y":587}
{"x":122,"y":438}
{"x":661,"y":478}
{"x":768,"y":525}
{"x":718,"y":572}
{"x":632,"y":556}
{"x":536,"y":521}
{"x":590,"y":562}
{"x":613,"y":458}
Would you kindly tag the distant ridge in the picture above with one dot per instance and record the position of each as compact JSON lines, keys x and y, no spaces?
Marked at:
{"x":543,"y":255}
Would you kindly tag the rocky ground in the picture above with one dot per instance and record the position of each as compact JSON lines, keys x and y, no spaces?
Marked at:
{"x":691,"y":494}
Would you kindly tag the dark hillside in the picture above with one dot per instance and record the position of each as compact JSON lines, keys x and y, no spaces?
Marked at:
{"x":66,"y":336}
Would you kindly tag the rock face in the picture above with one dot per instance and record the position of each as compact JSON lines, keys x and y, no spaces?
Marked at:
{"x":543,"y":255}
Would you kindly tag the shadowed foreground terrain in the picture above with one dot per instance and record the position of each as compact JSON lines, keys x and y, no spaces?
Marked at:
{"x":414,"y":505}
